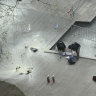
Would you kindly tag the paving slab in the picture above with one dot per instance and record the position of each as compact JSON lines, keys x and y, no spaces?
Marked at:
{"x":86,"y":13}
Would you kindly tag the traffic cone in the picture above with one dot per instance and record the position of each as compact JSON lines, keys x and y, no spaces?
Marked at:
{"x":53,"y":79}
{"x":48,"y":79}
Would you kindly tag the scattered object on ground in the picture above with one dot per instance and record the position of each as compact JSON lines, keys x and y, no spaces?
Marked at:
{"x":64,"y":53}
{"x":94,"y":78}
{"x":53,"y":79}
{"x":71,"y":61}
{"x":34,"y":49}
{"x":56,"y":26}
{"x":48,"y":79}
{"x":18,"y":67}
{"x":26,"y":46}
{"x":68,"y":11}
{"x":21,"y":73}
{"x":28,"y":72}
{"x":19,"y":0}
{"x":67,"y":57}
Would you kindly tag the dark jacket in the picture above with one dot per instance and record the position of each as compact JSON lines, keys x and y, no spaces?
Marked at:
{"x":61,"y":46}
{"x":74,"y":46}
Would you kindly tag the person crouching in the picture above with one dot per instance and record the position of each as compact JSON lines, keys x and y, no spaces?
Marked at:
{"x":75,"y":47}
{"x":61,"y":48}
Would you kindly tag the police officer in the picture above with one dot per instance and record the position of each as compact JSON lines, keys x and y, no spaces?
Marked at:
{"x":75,"y":47}
{"x":61,"y":47}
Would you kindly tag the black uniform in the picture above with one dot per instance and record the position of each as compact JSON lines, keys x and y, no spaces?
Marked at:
{"x":75,"y":47}
{"x":61,"y":46}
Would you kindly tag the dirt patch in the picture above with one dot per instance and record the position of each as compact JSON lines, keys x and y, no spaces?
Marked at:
{"x":7,"y":89}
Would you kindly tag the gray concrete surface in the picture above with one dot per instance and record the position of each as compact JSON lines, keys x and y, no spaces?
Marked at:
{"x":35,"y":27}
{"x":25,"y":26}
{"x":87,"y":12}
{"x":71,"y":80}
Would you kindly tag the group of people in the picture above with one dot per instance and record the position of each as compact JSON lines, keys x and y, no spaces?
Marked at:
{"x":75,"y":48}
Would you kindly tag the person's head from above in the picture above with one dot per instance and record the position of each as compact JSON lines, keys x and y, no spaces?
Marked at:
{"x":59,"y":41}
{"x":70,"y":46}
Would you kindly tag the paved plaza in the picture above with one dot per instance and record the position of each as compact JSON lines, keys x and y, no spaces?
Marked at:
{"x":40,"y":24}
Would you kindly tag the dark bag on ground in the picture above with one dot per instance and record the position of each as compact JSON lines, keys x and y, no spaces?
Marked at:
{"x":34,"y":49}
{"x":71,"y":61}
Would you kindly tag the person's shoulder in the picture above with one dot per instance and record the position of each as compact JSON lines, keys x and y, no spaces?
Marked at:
{"x":70,"y":46}
{"x":77,"y":44}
